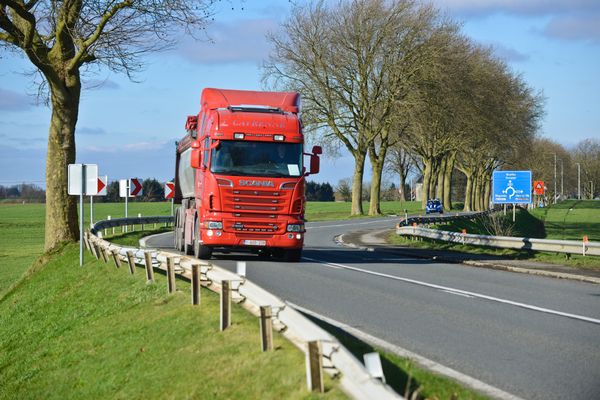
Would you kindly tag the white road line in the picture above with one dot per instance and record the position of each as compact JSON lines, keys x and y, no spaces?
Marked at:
{"x":424,"y":362}
{"x":459,"y":291}
{"x":458,"y":294}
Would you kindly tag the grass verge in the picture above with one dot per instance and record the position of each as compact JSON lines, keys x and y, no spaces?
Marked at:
{"x":99,"y":332}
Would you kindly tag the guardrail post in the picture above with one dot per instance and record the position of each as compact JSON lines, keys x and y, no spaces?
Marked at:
{"x":85,"y":241}
{"x":170,"y":275}
{"x":195,"y":284}
{"x":266,"y":328}
{"x":103,"y":254}
{"x":225,"y":304}
{"x":96,"y":252}
{"x":116,"y":259}
{"x":131,"y":262}
{"x":148,"y":264}
{"x":314,"y":370}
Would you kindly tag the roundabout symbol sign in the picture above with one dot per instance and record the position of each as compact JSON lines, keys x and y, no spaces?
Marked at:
{"x":511,"y":187}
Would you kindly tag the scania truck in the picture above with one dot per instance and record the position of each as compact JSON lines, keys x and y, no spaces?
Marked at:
{"x":239,"y":175}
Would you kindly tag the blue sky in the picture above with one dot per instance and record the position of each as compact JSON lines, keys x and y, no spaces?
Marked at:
{"x":129,"y":129}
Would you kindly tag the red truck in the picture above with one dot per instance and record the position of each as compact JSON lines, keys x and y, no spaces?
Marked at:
{"x":239,"y":175}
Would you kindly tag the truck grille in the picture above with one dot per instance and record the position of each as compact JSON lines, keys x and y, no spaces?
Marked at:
{"x":255,"y":211}
{"x":256,"y":201}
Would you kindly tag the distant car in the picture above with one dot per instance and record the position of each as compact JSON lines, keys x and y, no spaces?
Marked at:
{"x":434,"y":206}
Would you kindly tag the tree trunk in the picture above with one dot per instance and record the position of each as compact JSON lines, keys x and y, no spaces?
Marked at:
{"x":487,"y":192}
{"x":427,"y":167}
{"x":440,"y":189}
{"x":448,"y":183}
{"x":357,"y":181}
{"x":377,"y":162}
{"x":61,"y":209}
{"x":477,"y":195}
{"x":468,"y":193}
{"x":402,"y":185}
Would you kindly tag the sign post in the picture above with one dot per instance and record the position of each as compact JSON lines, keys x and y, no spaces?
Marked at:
{"x":511,"y":187}
{"x":129,"y":188}
{"x":82,"y":180}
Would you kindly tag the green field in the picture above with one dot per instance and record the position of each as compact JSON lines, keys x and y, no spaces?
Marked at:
{"x":329,"y":210}
{"x":571,"y":220}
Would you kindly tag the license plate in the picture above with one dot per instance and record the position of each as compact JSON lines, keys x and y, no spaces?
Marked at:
{"x":255,"y":242}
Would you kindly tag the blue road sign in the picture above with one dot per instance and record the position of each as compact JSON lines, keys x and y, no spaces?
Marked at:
{"x":511,"y":187}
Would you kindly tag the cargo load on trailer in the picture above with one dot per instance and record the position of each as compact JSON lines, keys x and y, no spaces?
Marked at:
{"x":239,"y":175}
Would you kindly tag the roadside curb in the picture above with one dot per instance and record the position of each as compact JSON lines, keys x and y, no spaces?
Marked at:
{"x":496,"y":266}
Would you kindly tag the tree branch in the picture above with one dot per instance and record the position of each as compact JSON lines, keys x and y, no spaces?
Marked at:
{"x":82,"y":56}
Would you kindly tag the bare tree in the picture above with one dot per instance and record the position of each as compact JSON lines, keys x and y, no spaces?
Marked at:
{"x":62,"y":39}
{"x":351,"y":62}
{"x":587,"y":154}
{"x":401,"y":163}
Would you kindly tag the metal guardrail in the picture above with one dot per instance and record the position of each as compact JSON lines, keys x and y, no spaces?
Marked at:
{"x":441,"y":218}
{"x":117,"y":222}
{"x":355,"y":380}
{"x":506,"y":242}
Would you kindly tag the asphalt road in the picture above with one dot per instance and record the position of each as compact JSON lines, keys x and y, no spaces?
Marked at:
{"x":533,"y":337}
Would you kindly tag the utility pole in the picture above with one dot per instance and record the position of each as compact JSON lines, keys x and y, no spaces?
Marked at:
{"x":554,"y":178}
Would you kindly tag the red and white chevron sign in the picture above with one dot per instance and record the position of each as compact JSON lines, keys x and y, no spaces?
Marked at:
{"x":169,"y":190}
{"x":135,"y":187}
{"x":102,"y":181}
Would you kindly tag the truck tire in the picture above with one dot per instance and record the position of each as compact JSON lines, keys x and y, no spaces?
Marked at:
{"x":293,"y":255}
{"x":200,"y":251}
{"x":178,"y":230}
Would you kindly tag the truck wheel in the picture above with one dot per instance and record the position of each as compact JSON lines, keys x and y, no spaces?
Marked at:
{"x":200,"y":251}
{"x":293,"y":255}
{"x":176,"y":230}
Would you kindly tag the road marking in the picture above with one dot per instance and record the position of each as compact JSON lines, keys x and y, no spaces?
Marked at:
{"x":458,"y":294}
{"x":424,"y":362}
{"x":459,"y":291}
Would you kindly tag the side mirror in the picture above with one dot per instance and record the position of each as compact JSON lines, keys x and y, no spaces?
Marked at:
{"x":317,"y":150}
{"x":315,"y":164}
{"x":195,"y":161}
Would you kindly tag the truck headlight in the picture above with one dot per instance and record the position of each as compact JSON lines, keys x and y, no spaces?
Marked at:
{"x":295,"y":228}
{"x":213,"y":225}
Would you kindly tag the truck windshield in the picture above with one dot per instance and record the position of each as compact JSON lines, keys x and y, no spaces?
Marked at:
{"x":249,"y":158}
